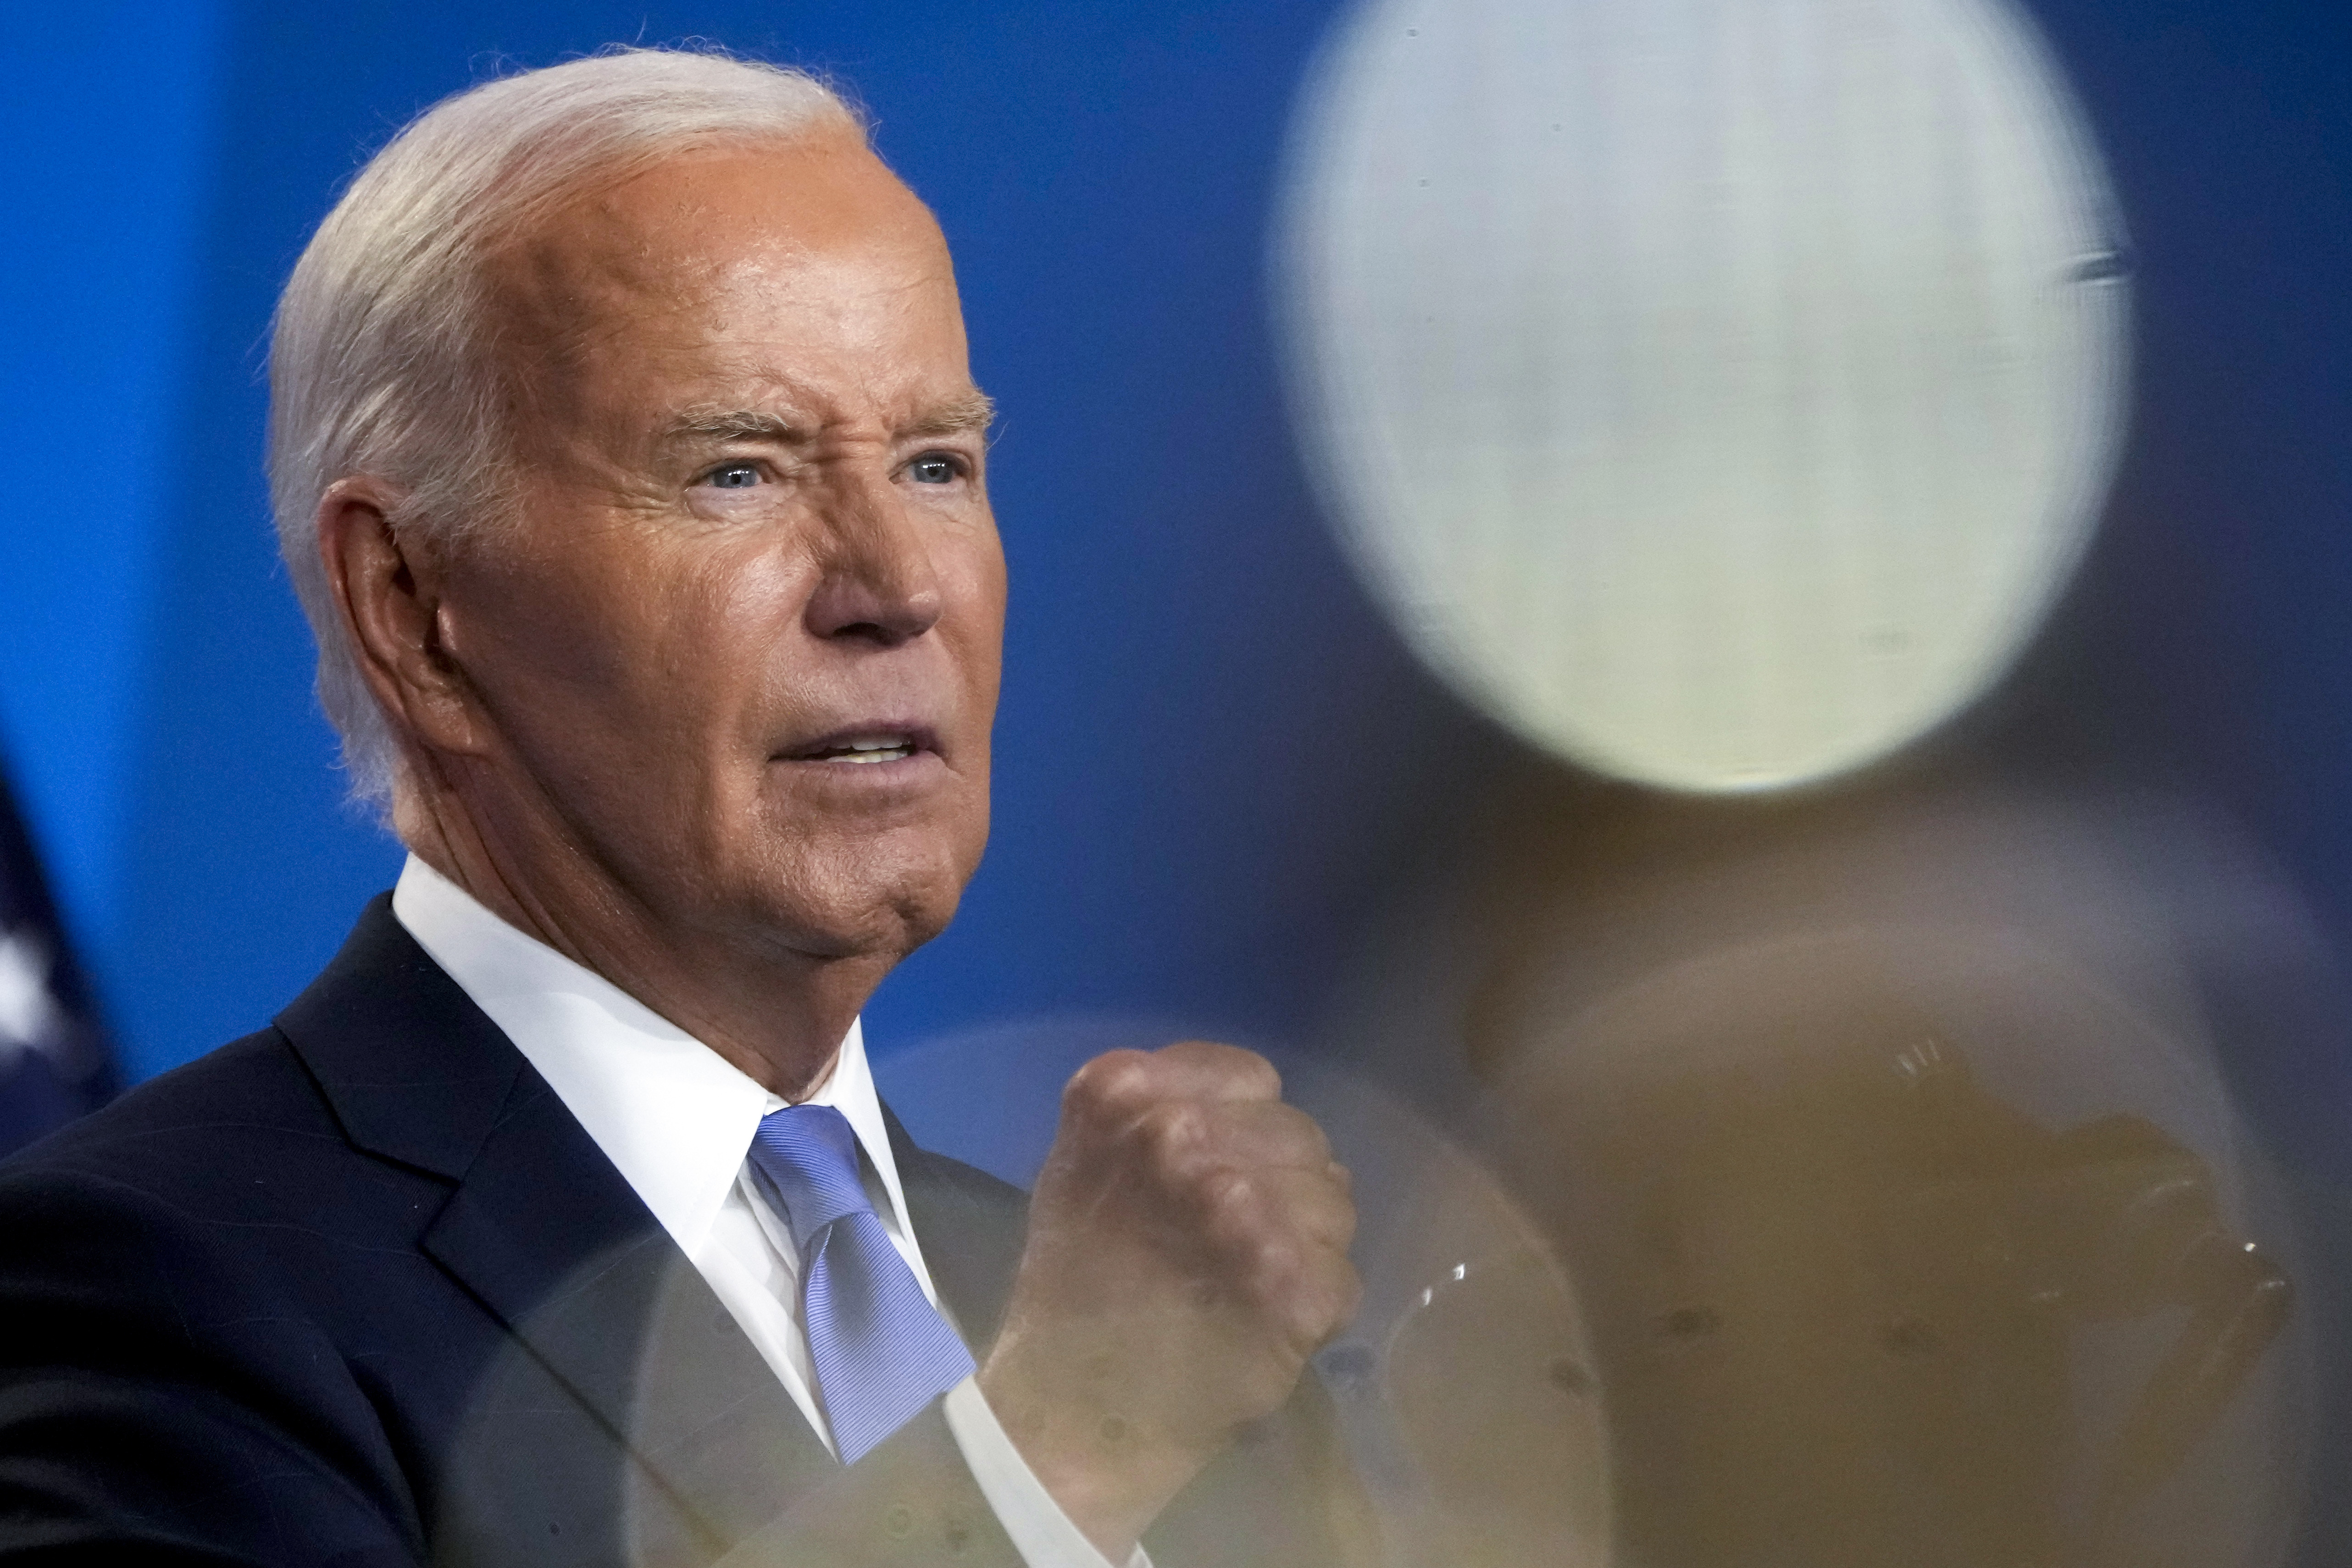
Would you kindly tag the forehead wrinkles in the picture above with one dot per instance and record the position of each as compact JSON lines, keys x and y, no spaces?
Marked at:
{"x":704,"y":270}
{"x":589,"y":278}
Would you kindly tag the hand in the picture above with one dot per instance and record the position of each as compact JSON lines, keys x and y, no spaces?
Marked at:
{"x":1187,"y":1252}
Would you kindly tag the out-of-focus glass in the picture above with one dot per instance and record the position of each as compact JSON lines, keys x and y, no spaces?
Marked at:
{"x":1467,"y":1387}
{"x":1851,"y":1297}
{"x":1888,"y":1153}
{"x":1716,"y":393}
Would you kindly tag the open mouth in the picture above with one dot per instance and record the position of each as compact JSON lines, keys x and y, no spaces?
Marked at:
{"x":862,"y":748}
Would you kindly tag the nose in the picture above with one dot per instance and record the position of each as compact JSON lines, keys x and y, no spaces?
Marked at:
{"x":877,"y":584}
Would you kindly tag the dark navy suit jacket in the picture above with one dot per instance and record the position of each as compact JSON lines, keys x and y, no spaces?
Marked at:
{"x":358,"y":1291}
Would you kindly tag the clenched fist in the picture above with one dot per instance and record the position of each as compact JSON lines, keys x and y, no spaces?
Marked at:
{"x":1187,"y":1252}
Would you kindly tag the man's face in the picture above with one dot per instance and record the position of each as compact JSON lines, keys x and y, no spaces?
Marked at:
{"x":738,"y":650}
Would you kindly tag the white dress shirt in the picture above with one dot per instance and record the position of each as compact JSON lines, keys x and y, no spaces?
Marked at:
{"x":676,"y":1119}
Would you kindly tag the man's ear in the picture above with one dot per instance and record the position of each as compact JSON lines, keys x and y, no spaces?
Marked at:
{"x":389,"y":593}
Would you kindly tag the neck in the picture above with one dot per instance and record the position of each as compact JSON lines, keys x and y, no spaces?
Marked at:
{"x":777,"y":1015}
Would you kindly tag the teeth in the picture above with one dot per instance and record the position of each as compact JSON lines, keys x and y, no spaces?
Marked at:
{"x":876,"y":749}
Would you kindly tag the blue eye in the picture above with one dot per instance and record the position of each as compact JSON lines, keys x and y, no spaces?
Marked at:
{"x":734,"y":476}
{"x":935,"y":468}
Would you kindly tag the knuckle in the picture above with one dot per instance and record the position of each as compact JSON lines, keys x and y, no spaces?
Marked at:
{"x":1302,"y":1142}
{"x":1253,"y":1073}
{"x":1273,"y":1261}
{"x":1261,"y":1073}
{"x":1170,"y":1130}
{"x":1110,"y":1080}
{"x":1243,"y":1073}
{"x":1328,"y":1306}
{"x":1231,"y":1198}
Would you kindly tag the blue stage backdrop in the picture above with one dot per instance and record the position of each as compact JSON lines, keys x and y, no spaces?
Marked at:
{"x":1201,"y":717}
{"x":1211,"y":745}
{"x":1213,"y":751}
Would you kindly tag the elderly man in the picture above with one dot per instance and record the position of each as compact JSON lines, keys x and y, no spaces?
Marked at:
{"x":629,"y":466}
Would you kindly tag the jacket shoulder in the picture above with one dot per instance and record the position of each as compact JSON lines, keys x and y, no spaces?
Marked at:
{"x":226,"y":1109}
{"x":170,"y":1376}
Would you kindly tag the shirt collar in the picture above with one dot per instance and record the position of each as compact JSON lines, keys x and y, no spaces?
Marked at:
{"x":673,"y":1116}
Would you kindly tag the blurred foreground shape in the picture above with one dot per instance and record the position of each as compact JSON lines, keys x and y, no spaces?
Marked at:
{"x":1466,"y":1385}
{"x":1717,"y":394}
{"x":55,"y":1063}
{"x":1840,"y":1289}
{"x":1901,"y":1211}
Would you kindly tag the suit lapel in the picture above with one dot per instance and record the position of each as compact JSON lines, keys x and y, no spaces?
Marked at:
{"x":549,"y":1237}
{"x":681,"y":1440}
{"x":971,"y":1227}
{"x":602,"y":1298}
{"x":415,"y":1070}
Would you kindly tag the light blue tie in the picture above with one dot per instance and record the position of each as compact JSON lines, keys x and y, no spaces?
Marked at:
{"x":881,"y":1350}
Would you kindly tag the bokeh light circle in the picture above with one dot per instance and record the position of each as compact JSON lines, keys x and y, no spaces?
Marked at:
{"x":1718,"y":393}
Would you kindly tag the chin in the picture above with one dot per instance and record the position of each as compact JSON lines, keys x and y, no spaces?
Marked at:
{"x":866,"y":901}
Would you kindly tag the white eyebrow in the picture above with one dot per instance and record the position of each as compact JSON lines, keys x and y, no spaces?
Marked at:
{"x":973,"y":410}
{"x":712,"y":422}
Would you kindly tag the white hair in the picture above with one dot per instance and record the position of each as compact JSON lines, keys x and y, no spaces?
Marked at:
{"x":383,"y":361}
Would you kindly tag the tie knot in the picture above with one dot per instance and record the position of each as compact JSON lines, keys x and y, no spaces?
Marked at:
{"x":809,"y":1156}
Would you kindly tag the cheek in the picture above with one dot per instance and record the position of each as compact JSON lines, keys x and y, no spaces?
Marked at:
{"x":729,"y":622}
{"x":535,"y":637}
{"x":976,"y":574}
{"x":643,"y":644}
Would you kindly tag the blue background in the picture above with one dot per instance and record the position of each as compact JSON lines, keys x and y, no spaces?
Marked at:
{"x":1209,"y":741}
{"x":1189,"y":676}
{"x":1210,"y":750}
